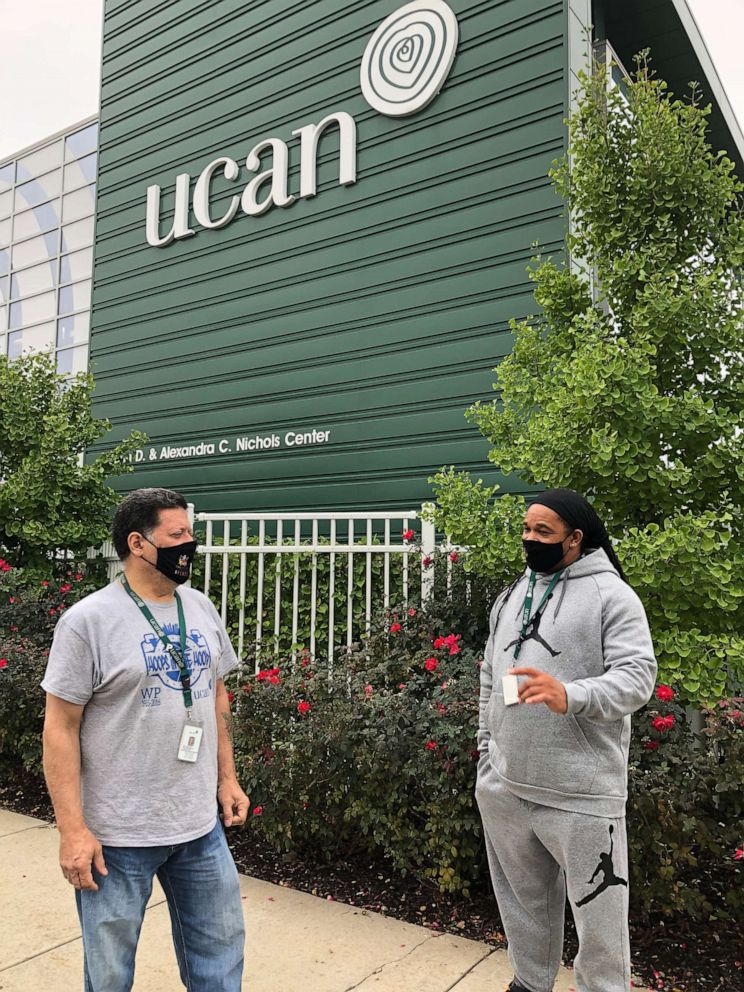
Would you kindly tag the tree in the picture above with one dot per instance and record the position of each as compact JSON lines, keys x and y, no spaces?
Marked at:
{"x":50,"y":499}
{"x":629,"y":386}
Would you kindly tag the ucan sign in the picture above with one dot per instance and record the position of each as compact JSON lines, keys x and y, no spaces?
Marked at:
{"x":405,"y":65}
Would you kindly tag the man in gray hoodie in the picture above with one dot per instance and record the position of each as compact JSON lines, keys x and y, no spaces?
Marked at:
{"x":568,"y":659}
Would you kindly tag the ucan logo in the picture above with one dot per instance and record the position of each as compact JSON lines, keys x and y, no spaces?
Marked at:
{"x":409,"y":57}
{"x":405,"y":65}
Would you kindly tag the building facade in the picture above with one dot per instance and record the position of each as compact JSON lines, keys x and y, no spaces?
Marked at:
{"x":313,"y":225}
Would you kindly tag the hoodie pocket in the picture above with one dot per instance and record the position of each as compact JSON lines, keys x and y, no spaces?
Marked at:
{"x":534,"y":746}
{"x":559,"y":757}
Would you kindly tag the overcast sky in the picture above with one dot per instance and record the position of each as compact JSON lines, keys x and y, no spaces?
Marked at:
{"x":50,"y":72}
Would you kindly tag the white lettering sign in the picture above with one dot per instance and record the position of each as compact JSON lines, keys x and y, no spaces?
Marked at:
{"x":405,"y":65}
{"x":229,"y":446}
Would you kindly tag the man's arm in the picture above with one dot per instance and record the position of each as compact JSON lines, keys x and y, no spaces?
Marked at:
{"x":233,"y":801}
{"x":78,"y":848}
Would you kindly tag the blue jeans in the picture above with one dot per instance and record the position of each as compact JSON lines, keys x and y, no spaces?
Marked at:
{"x":201,"y":885}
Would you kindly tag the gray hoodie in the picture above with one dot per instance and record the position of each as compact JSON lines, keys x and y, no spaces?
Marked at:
{"x":593,"y":636}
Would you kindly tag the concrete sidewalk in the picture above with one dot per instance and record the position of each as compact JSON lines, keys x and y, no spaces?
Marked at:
{"x":295,"y":942}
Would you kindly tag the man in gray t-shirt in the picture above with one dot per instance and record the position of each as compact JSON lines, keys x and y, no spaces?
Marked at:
{"x":138,"y":756}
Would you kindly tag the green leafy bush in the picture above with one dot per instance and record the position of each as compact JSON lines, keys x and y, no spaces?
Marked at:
{"x":628,"y":384}
{"x":51,"y":497}
{"x":380,"y":756}
{"x":31,"y":603}
{"x":377,"y":752}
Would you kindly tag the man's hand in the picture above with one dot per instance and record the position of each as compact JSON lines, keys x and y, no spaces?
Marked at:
{"x":542,"y":688}
{"x":78,"y":850}
{"x":234,"y":803}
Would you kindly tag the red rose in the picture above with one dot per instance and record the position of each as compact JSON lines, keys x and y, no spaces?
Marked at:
{"x":395,"y":628}
{"x":426,"y":562}
{"x":439,"y":643}
{"x":412,"y":612}
{"x":739,"y":854}
{"x":664,"y":693}
{"x":64,"y":589}
{"x":402,"y":685}
{"x":431,"y":745}
{"x":441,"y":709}
{"x":3,"y":662}
{"x":475,"y":755}
{"x":305,"y":662}
{"x":303,"y":707}
{"x":453,"y":556}
{"x":368,"y":691}
{"x":407,"y":534}
{"x":45,"y":583}
{"x":78,"y":577}
{"x":650,"y":745}
{"x":257,"y":810}
{"x":663,"y":723}
{"x":230,"y":696}
{"x":431,"y":664}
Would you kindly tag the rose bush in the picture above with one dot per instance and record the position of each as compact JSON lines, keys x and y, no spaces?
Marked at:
{"x":376,"y":753}
{"x":31,"y":602}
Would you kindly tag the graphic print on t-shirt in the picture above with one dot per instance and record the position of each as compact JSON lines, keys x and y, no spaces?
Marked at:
{"x":158,"y":662}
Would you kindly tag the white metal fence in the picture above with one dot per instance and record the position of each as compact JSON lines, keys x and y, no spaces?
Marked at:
{"x":247,"y":558}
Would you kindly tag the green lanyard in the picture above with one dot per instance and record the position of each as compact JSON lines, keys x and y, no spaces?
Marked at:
{"x":179,"y":657}
{"x":527,"y":607}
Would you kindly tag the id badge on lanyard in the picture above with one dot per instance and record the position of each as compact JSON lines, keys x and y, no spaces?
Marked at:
{"x":510,"y":683}
{"x":193,"y":731}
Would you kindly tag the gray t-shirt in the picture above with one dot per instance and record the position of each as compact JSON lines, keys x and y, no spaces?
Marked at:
{"x":106,"y":657}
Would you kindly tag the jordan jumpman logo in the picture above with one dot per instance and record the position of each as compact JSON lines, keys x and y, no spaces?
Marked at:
{"x":534,"y":634}
{"x":610,"y":878}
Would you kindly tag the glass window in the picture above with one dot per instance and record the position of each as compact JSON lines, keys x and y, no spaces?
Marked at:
{"x":75,"y":297}
{"x":78,"y":204}
{"x":81,"y":172}
{"x":72,"y":360}
{"x":37,"y":163}
{"x":6,"y":204}
{"x":35,"y":250}
{"x":40,"y":338}
{"x":74,"y":329}
{"x":36,"y":220}
{"x":77,"y":235}
{"x":37,"y":279}
{"x":38,"y":190}
{"x":4,"y":233}
{"x":32,"y":311}
{"x":7,"y":175}
{"x":82,"y":142}
{"x":79,"y":265}
{"x":4,"y":262}
{"x":3,"y":321}
{"x":3,"y":289}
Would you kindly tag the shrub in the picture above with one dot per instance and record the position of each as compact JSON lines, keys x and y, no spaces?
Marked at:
{"x":30,"y":605}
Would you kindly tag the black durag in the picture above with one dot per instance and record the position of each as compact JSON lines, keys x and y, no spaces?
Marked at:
{"x":579,"y":514}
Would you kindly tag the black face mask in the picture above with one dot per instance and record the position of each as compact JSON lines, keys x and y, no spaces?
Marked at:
{"x":175,"y":562}
{"x":544,"y":557}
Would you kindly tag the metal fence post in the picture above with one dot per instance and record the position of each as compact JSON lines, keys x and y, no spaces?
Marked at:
{"x":428,"y":542}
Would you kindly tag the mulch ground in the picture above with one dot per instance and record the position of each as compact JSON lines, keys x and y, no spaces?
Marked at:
{"x":667,"y":956}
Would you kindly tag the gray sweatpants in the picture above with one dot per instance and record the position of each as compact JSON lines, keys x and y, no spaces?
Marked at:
{"x":535,"y":853}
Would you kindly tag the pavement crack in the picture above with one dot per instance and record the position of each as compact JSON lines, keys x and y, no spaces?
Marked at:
{"x":382,"y":967}
{"x":39,"y":954}
{"x":471,"y":968}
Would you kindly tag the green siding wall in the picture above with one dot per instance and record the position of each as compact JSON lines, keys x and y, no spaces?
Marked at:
{"x":376,"y":310}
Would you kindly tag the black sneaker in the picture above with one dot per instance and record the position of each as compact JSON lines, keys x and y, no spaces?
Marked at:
{"x":516,"y":987}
